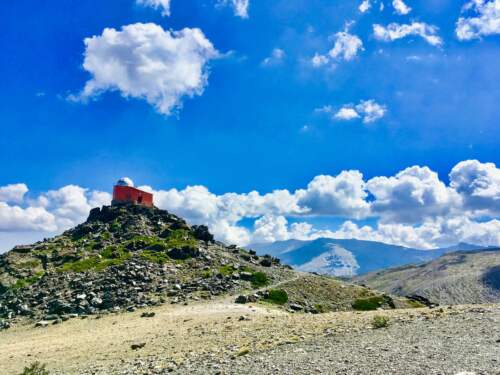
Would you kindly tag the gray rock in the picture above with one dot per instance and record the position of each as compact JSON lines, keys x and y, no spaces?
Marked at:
{"x":241,"y":299}
{"x":137,"y":345}
{"x":42,"y":324}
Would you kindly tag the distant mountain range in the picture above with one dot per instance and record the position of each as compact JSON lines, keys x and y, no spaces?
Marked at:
{"x":454,"y":278}
{"x":348,"y":258}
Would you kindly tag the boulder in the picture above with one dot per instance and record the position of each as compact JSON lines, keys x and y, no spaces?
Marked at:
{"x":241,"y":299}
{"x":183,"y":253}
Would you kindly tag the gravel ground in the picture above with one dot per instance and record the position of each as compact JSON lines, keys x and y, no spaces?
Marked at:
{"x":465,"y":342}
{"x":220,"y":337}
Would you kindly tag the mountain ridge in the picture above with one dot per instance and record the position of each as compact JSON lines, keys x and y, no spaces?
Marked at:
{"x":360,"y":256}
{"x":469,"y":276}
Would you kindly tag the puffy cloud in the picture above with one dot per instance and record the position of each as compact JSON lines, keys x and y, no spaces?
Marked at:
{"x":342,"y":195}
{"x":15,"y":219}
{"x":400,"y":7}
{"x":369,"y":110}
{"x":396,"y":31}
{"x":270,"y":229}
{"x":53,"y":211}
{"x":146,"y":62}
{"x":71,"y":204}
{"x":346,"y":47}
{"x":164,"y":5}
{"x":319,"y":60}
{"x":13,"y":193}
{"x":486,"y":21}
{"x":428,"y":235}
{"x":346,"y":113}
{"x":479,"y":185}
{"x":411,"y":196}
{"x":364,"y":6}
{"x":240,"y":7}
{"x":276,"y":58}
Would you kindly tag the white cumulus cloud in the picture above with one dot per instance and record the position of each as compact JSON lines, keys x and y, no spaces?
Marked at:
{"x":346,"y":47}
{"x":346,"y":113}
{"x":364,"y":6}
{"x":341,"y":195}
{"x":484,"y":22}
{"x":479,"y":185}
{"x":400,"y":7}
{"x":276,"y":58}
{"x":412,"y":195}
{"x":395,"y":31}
{"x":144,"y":61}
{"x":13,"y":193}
{"x":164,"y":5}
{"x":240,"y":7}
{"x":369,"y":110}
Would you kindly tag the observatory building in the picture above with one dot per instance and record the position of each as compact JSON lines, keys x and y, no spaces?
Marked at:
{"x":125,"y":192}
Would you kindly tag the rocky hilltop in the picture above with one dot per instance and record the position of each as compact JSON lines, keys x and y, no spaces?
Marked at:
{"x":455,"y":278}
{"x":126,"y":257}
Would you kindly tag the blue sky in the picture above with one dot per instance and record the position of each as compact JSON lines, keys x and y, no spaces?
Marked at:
{"x":257,"y":124}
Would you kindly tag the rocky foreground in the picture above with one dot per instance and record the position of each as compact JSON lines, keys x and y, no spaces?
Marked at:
{"x":221,"y":337}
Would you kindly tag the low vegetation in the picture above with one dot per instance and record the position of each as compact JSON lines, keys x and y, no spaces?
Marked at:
{"x":23,"y":283}
{"x":369,"y":303}
{"x":35,"y":368}
{"x":277,"y":296}
{"x":380,"y":321}
{"x":259,"y":279}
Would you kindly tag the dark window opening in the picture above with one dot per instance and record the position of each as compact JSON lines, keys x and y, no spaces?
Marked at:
{"x":139,"y":200}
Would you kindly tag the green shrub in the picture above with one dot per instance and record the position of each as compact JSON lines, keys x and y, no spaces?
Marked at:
{"x":115,"y":226}
{"x":180,"y":238}
{"x":367,"y":304}
{"x":227,"y":270}
{"x":277,"y":296}
{"x":35,"y":368}
{"x":155,"y":256}
{"x":320,"y":308}
{"x":23,"y":283}
{"x":380,"y":321}
{"x":259,"y":279}
{"x":207,"y":274}
{"x":110,"y":256}
{"x":415,"y":304}
{"x":29,"y":264}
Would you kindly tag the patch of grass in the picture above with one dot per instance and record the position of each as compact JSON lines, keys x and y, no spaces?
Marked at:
{"x":415,"y":304}
{"x":155,"y":256}
{"x":207,"y":274}
{"x":259,"y":279}
{"x":110,"y":256}
{"x":227,"y":270}
{"x":36,"y":368}
{"x":277,"y":296}
{"x":369,"y":303}
{"x":243,"y":351}
{"x":380,"y":321}
{"x":320,"y":308}
{"x":29,"y":264}
{"x":23,"y":283}
{"x":180,"y":238}
{"x":105,"y":236}
{"x":115,"y":226}
{"x":81,"y":265}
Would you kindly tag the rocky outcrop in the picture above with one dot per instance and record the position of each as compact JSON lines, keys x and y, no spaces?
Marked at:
{"x":122,"y":258}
